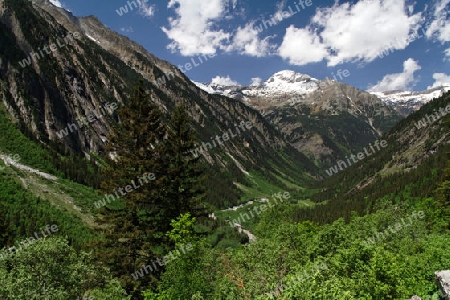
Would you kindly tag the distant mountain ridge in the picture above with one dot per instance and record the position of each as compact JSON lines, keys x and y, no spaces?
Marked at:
{"x":324,"y":119}
{"x":291,"y":86}
{"x":407,"y":102}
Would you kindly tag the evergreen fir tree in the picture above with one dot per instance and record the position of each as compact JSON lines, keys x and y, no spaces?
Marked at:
{"x":134,"y":148}
{"x":182,"y":191}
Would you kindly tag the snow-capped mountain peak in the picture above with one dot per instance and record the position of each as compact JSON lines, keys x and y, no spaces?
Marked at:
{"x":282,"y":83}
{"x":287,"y":81}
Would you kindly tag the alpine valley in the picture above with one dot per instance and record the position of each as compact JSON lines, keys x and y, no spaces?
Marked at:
{"x":93,"y":116}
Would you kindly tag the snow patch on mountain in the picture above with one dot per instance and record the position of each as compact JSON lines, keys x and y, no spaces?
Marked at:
{"x":90,"y":37}
{"x":206,"y":87}
{"x":229,"y":91}
{"x":407,"y":102}
{"x":404,"y":96}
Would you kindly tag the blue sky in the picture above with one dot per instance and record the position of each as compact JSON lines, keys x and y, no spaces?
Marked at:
{"x":315,"y":37}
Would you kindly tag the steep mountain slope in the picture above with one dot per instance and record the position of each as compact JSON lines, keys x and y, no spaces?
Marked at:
{"x":323,"y":119}
{"x":410,"y":166}
{"x":63,"y":77}
{"x":407,"y":102}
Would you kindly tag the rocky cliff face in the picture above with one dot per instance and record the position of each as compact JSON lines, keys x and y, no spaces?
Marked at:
{"x":131,"y":53}
{"x":46,"y":81}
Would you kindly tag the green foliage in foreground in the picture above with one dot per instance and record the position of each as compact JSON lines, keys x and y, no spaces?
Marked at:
{"x":51,"y":269}
{"x":332,"y":261}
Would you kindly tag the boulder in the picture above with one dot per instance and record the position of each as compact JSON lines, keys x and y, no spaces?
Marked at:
{"x":443,"y":281}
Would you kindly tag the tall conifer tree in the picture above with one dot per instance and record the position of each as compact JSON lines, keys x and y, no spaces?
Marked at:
{"x":135,"y":150}
{"x":183,"y":191}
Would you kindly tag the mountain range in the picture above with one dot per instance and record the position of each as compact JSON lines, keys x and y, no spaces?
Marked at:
{"x":325,"y":119}
{"x":290,"y":86}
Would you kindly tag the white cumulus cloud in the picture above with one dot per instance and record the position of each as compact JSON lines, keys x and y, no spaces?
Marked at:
{"x":192,"y":31}
{"x":301,"y":46}
{"x":398,"y":81}
{"x":440,"y":79}
{"x":351,"y":32}
{"x":246,"y":41}
{"x":225,"y":81}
